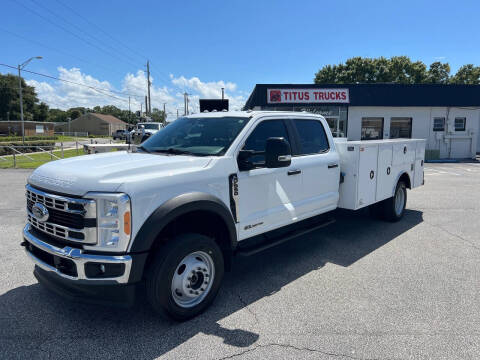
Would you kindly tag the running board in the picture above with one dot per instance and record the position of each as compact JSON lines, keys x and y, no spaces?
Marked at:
{"x":281,"y":240}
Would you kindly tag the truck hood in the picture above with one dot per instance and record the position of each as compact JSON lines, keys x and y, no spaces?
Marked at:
{"x":108,"y":171}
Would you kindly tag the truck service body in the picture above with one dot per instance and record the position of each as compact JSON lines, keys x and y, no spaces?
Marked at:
{"x":171,"y":215}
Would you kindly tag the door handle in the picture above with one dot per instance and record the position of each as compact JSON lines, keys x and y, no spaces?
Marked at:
{"x":331,"y":166}
{"x":294,"y":172}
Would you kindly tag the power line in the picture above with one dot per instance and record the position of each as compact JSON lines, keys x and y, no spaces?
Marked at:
{"x":79,"y":29}
{"x":102,"y":91}
{"x":103,"y":31}
{"x":70,"y":32}
{"x":54,"y":49}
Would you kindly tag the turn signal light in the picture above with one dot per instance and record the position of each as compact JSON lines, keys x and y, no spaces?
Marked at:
{"x":127,"y":223}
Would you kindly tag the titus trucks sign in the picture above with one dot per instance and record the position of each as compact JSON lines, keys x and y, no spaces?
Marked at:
{"x":311,"y":96}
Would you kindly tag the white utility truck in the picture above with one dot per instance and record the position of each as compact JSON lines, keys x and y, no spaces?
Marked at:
{"x":170,"y":216}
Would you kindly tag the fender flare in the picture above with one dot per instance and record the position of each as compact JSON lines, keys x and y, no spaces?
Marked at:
{"x":179,"y":206}
{"x":398,"y":178}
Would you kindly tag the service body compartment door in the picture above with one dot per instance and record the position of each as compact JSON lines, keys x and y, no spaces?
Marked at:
{"x":385,"y":178}
{"x":419,"y":160}
{"x":367,"y":175}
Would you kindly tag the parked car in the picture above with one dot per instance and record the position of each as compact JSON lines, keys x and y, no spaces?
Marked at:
{"x":120,"y":135}
{"x":172,"y":215}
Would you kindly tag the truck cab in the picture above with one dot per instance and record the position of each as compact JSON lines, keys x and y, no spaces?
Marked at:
{"x":171,"y":215}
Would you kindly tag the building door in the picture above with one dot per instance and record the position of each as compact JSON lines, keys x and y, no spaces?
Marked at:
{"x":372,"y":128}
{"x":401,"y":127}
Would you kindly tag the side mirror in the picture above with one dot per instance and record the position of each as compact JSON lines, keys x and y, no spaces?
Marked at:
{"x":277,"y":153}
{"x":243,"y":160}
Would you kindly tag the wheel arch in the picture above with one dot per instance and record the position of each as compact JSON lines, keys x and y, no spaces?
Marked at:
{"x":201,"y":211}
{"x":405,"y":177}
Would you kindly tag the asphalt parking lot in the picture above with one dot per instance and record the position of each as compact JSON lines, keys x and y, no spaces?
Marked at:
{"x":359,"y":289}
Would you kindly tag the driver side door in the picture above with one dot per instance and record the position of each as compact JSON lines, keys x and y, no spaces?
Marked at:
{"x":267,"y":196}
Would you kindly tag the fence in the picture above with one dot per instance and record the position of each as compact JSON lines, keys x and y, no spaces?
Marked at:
{"x":74,"y":134}
{"x":43,"y":154}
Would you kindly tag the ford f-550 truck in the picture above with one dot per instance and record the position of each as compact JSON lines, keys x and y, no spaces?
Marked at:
{"x":170,"y":216}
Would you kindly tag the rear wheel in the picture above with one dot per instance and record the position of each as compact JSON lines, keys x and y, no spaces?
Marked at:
{"x":185,"y":276}
{"x":394,"y":207}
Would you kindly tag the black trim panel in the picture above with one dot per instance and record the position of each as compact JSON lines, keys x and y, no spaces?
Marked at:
{"x":176,"y":207}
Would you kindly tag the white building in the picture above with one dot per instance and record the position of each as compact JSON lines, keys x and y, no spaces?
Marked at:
{"x":448,"y":116}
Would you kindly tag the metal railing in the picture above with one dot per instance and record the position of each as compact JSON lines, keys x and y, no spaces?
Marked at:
{"x":73,"y":133}
{"x":20,"y":155}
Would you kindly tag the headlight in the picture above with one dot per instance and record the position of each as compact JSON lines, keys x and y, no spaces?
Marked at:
{"x":114,"y":221}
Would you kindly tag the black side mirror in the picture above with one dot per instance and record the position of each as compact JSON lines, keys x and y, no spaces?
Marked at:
{"x":243,"y":160}
{"x":277,"y":153}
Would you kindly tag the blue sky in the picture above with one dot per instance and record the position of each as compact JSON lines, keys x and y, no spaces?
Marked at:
{"x":199,"y":46}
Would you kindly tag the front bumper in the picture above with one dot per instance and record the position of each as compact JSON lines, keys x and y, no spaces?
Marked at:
{"x":75,"y":265}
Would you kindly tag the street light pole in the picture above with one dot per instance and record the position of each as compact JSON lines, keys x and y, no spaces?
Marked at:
{"x":20,"y":67}
{"x":21,"y":105}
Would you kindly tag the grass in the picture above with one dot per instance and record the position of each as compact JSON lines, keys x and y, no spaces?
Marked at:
{"x":23,"y":162}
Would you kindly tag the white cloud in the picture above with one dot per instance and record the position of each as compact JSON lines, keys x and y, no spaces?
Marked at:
{"x":65,"y":94}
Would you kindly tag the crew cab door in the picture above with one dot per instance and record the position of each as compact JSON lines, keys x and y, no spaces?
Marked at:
{"x":316,"y":157}
{"x":266,"y":197}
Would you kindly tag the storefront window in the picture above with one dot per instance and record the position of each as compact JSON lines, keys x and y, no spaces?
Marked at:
{"x":372,"y":128}
{"x":400,"y":127}
{"x":335,"y":115}
{"x":460,"y":124}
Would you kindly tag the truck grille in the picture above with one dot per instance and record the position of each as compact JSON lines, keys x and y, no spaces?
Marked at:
{"x":70,"y":219}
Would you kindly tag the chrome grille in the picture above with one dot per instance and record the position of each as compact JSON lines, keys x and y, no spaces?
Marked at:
{"x":71,"y":219}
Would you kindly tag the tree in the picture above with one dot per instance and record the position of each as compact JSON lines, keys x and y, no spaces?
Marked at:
{"x":57,"y":115}
{"x":439,"y":73}
{"x":467,"y":74}
{"x":157,"y":115}
{"x":397,"y":69}
{"x":41,"y":112}
{"x":10,"y":100}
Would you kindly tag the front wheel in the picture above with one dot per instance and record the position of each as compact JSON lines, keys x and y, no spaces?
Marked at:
{"x":185,"y":276}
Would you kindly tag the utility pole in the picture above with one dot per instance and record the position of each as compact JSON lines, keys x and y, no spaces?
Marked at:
{"x":164,"y":113}
{"x":223,"y":93}
{"x":149,"y":107}
{"x":177,"y":113}
{"x":146,"y":106}
{"x":185,"y":101}
{"x":129,"y":111}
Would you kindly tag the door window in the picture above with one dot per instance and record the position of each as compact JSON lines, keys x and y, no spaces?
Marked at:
{"x":400,"y":127}
{"x":258,"y":138}
{"x":313,"y":139}
{"x":372,"y":128}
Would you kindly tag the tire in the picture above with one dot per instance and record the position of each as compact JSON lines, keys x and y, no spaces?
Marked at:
{"x":178,"y":282}
{"x":394,"y":207}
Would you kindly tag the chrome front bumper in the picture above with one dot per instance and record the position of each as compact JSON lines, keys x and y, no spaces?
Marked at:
{"x":78,"y":258}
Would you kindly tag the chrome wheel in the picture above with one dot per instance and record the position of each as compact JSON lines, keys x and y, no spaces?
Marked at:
{"x":193,"y":279}
{"x":399,"y":200}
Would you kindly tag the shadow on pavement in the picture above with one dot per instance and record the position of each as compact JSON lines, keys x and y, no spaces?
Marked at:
{"x":35,"y":323}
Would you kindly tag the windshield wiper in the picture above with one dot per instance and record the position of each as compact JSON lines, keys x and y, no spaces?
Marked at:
{"x":175,"y":151}
{"x":141,"y":147}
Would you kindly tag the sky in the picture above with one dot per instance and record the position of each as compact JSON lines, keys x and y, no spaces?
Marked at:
{"x":199,"y":47}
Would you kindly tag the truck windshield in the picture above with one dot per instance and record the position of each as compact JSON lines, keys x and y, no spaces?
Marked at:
{"x":196,"y":136}
{"x":151,"y":126}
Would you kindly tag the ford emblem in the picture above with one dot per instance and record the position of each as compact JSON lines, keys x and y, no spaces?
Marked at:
{"x":40,"y":212}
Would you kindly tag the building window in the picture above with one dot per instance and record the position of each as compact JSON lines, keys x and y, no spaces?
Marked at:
{"x":460,"y":123}
{"x":372,"y":128}
{"x":400,"y":127}
{"x":39,"y":129}
{"x":439,"y":124}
